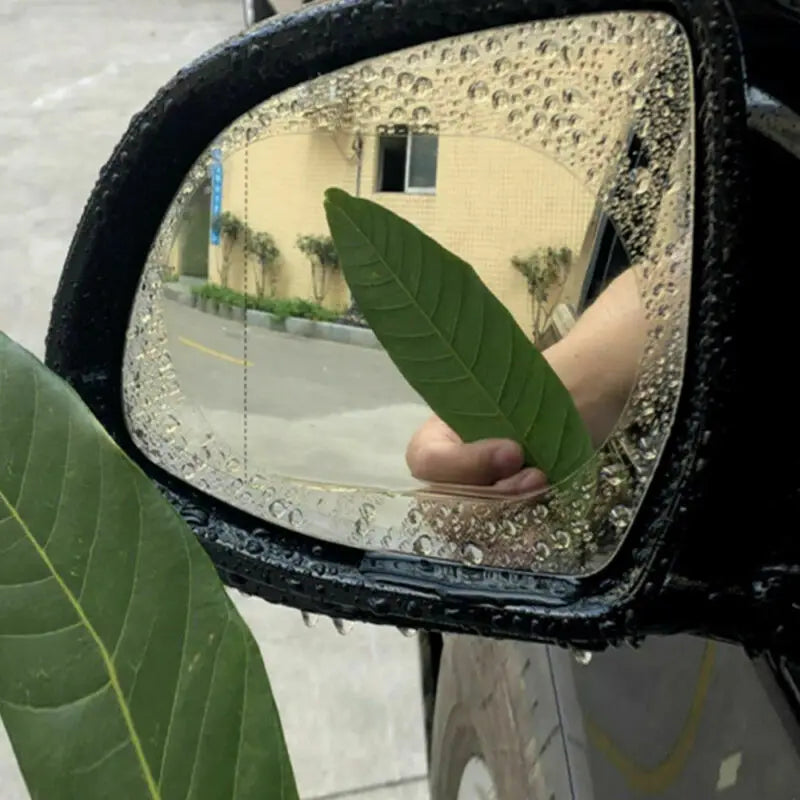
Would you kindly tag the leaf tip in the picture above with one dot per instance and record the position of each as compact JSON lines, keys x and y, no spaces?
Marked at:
{"x":334,"y":196}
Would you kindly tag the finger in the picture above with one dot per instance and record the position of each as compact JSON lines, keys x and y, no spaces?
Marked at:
{"x":440,"y":459}
{"x":526,"y":481}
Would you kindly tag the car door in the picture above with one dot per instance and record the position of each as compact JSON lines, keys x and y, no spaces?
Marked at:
{"x":679,"y":717}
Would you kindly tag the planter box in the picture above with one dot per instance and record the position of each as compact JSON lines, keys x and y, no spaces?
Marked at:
{"x":170,"y":292}
{"x":225,"y":311}
{"x":204,"y":304}
{"x":194,"y":300}
{"x":364,"y":337}
{"x":298,"y":326}
{"x":263,"y":319}
{"x":237,"y":313}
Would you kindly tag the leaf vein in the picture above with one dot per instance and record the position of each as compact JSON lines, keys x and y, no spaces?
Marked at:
{"x":206,"y":705}
{"x":103,"y":651}
{"x":63,"y":483}
{"x":190,"y":594}
{"x":96,"y":534}
{"x":243,"y":712}
{"x":60,"y":706}
{"x":477,"y":355}
{"x":139,"y":538}
{"x":102,"y":760}
{"x":41,"y":634}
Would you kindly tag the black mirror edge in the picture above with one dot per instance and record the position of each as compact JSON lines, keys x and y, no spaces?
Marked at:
{"x":87,"y":333}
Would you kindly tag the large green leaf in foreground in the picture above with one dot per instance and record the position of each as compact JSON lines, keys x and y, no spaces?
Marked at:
{"x":125,"y":670}
{"x":452,"y":339}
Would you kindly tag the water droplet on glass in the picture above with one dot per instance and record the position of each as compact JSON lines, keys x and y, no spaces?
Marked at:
{"x":541,"y":551}
{"x":295,"y":517}
{"x":408,"y":632}
{"x":309,"y":619}
{"x":405,"y":80}
{"x":423,"y":545}
{"x":540,"y":512}
{"x":277,"y":508}
{"x":620,"y":517}
{"x":502,"y":65}
{"x":233,"y":465}
{"x":422,"y":114}
{"x":422,"y":86}
{"x":643,"y":182}
{"x":561,"y":540}
{"x":547,"y":47}
{"x":414,"y":518}
{"x":583,"y":657}
{"x":469,"y":54}
{"x":472,"y":554}
{"x":478,"y":91}
{"x":500,"y":98}
{"x":387,"y":73}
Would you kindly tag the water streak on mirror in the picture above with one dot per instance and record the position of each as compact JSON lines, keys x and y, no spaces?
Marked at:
{"x":554,"y":157}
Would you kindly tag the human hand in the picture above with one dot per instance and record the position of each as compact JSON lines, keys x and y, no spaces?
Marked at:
{"x":597,"y":363}
{"x":436,"y":454}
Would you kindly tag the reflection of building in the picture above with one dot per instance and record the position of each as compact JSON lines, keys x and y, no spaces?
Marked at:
{"x":484,"y":198}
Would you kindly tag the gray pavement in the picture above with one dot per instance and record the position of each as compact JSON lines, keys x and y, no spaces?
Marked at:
{"x":76,"y":71}
{"x":316,"y":410}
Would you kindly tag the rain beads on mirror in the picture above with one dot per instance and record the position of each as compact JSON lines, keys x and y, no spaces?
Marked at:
{"x":558,"y":88}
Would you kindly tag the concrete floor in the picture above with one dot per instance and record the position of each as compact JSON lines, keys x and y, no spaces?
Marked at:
{"x":76,"y":70}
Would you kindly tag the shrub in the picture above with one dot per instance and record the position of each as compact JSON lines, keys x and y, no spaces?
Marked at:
{"x":263,"y":246}
{"x":545,"y":271}
{"x":321,"y":253}
{"x":231,"y":230}
{"x":281,"y":307}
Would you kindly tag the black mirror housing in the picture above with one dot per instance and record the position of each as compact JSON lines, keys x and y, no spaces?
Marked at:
{"x":667,"y":575}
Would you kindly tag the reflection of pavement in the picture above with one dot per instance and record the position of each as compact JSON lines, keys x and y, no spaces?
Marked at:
{"x":317,"y":410}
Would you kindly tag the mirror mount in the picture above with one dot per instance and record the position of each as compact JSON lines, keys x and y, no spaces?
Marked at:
{"x":629,"y":598}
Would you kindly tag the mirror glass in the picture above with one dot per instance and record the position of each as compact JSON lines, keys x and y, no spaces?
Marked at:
{"x":557,"y":159}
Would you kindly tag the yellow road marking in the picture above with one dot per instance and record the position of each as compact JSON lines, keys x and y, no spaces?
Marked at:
{"x":209,"y":352}
{"x":659,"y":778}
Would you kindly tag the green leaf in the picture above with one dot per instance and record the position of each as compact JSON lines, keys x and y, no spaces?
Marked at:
{"x":453,"y":340}
{"x":125,"y":669}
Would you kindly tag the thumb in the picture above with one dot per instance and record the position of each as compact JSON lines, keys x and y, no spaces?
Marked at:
{"x":480,"y":463}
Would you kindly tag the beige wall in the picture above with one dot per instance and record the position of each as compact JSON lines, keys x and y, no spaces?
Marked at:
{"x":494,"y":199}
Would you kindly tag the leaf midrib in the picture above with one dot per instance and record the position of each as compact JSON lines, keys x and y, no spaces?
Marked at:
{"x":492,"y":400}
{"x":104,"y":654}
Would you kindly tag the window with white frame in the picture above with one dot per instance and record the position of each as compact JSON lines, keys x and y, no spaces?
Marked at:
{"x":407,"y":162}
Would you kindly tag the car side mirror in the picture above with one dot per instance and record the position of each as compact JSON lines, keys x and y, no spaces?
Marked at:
{"x":559,"y":149}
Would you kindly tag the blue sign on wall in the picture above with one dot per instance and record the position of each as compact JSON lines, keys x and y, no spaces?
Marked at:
{"x":216,"y":192}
